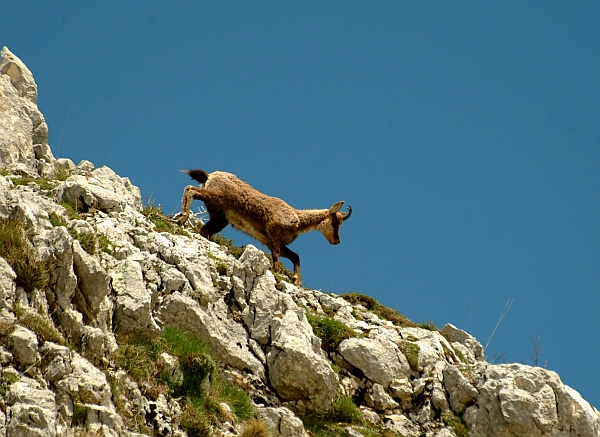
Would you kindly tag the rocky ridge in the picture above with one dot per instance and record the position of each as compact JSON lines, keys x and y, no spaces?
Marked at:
{"x":63,"y":340}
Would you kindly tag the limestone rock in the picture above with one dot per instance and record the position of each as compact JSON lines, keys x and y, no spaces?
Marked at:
{"x":133,"y":309}
{"x":23,"y":344}
{"x":380,"y":360}
{"x":377,"y":398}
{"x":92,"y":279}
{"x":282,"y":422}
{"x":296,"y":371}
{"x":519,"y":400}
{"x":31,"y":410}
{"x":464,"y":343}
{"x":22,"y":125}
{"x":7,"y":284}
{"x":461,"y":392}
{"x":228,"y":338}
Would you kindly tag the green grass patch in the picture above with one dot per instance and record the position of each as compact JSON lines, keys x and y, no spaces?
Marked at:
{"x":202,"y":391}
{"x":455,"y":423}
{"x":162,"y":223}
{"x":411,"y":352}
{"x":31,"y":272}
{"x":382,"y":311}
{"x":44,"y":183}
{"x":331,"y":332}
{"x":41,"y":324}
{"x":332,"y":423}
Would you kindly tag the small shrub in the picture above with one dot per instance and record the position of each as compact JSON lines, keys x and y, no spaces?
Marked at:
{"x":345,"y":410}
{"x":92,"y":243}
{"x":255,"y":428}
{"x":31,"y":272}
{"x":41,"y":324}
{"x":71,"y":212}
{"x":221,"y":269}
{"x":455,"y":423}
{"x":333,"y":423}
{"x":332,"y":332}
{"x":162,"y":223}
{"x":56,"y":220}
{"x":380,"y":310}
{"x":44,"y":183}
{"x":238,"y":400}
{"x":80,"y":413}
{"x":194,"y":421}
{"x":6,"y":327}
{"x":232,"y":249}
{"x":411,"y":352}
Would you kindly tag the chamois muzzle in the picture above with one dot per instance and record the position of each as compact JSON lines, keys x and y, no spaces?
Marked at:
{"x":348,"y":214}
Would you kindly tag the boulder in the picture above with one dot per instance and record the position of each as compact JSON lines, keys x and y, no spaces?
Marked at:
{"x":282,"y":422}
{"x":297,"y":370}
{"x":23,"y":344}
{"x":31,"y":410}
{"x":23,"y":129}
{"x":379,"y":359}
{"x":520,"y":400}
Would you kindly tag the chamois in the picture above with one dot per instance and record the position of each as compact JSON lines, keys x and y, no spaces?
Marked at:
{"x":270,"y":220}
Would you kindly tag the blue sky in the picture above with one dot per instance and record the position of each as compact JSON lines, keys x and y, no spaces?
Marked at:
{"x":465,"y":135}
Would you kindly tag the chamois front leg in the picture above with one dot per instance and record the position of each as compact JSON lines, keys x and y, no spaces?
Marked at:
{"x":190,"y":193}
{"x":186,"y":203}
{"x":295,"y":259}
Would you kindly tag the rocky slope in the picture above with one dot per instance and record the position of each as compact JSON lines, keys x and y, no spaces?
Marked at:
{"x":98,"y":296}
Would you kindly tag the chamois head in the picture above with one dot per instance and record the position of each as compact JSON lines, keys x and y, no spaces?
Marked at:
{"x":330,"y":227}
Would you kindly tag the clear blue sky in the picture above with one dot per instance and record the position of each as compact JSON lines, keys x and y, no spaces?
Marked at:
{"x":465,"y":135}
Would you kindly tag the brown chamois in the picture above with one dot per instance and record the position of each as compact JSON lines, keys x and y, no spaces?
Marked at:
{"x":270,"y":220}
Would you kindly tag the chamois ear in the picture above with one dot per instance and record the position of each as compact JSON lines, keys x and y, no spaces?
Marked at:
{"x":336,"y":207}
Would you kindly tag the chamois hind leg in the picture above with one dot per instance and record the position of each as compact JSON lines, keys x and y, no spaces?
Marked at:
{"x":295,"y":259}
{"x":216,"y":223}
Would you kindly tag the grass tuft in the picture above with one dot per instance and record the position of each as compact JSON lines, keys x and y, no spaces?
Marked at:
{"x":331,"y":332}
{"x":41,"y":324}
{"x":203,"y":391}
{"x":31,"y":272}
{"x":383,"y":312}
{"x":162,"y":223}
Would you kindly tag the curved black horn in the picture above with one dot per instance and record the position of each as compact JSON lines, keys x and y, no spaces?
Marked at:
{"x":348,"y":214}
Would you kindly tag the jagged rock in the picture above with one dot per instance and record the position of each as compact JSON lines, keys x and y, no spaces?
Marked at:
{"x":461,"y":392}
{"x":519,"y":400}
{"x":228,"y":338}
{"x":85,"y":384}
{"x":92,"y":279}
{"x":23,"y":344}
{"x":56,"y":362}
{"x":445,"y":432}
{"x":297,"y":370}
{"x":377,"y":398}
{"x":133,"y":308}
{"x":401,"y":390}
{"x":31,"y":410}
{"x":55,"y":246}
{"x":282,"y":422}
{"x":97,"y":345}
{"x":102,"y":190}
{"x":7,"y":284}
{"x":380,"y":360}
{"x":22,"y":125}
{"x":463,"y":342}
{"x":401,"y":425}
{"x":170,"y":368}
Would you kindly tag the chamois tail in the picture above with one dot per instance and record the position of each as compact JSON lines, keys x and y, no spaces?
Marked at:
{"x":198,"y":175}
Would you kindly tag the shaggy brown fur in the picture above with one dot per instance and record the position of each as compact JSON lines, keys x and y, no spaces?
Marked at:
{"x":270,"y":220}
